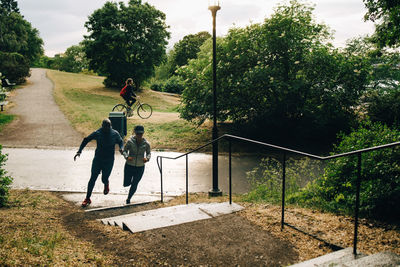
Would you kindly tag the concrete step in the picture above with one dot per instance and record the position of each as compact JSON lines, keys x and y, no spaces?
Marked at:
{"x":381,"y":259}
{"x":330,"y":260}
{"x":169,"y":216}
{"x":111,"y":201}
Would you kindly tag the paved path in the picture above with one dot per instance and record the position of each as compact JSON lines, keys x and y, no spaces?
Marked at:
{"x":55,"y":169}
{"x":40,"y":122}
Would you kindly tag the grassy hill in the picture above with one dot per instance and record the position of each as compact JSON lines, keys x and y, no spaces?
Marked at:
{"x":86,"y":102}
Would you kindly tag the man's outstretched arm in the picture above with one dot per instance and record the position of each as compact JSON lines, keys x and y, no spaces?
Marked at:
{"x":85,"y":141}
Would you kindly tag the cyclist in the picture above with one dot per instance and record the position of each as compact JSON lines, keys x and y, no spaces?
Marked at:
{"x":127,"y":92}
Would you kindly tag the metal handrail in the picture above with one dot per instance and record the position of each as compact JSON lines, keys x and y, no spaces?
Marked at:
{"x":285,"y":152}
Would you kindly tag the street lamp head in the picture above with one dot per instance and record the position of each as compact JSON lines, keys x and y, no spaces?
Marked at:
{"x":213,"y":3}
{"x":214,"y":6}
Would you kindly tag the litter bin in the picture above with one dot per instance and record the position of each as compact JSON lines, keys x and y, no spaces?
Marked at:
{"x":118,"y":122}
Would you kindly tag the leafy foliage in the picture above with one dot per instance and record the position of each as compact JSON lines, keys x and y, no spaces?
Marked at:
{"x":172,"y":85}
{"x":381,"y":99}
{"x":186,"y":49}
{"x":387,"y":14}
{"x":125,"y":41}
{"x":380,"y":186}
{"x":9,"y":6}
{"x":385,"y":107}
{"x":73,"y":60}
{"x":279,"y":78}
{"x":266,"y":180}
{"x":5,"y":181}
{"x":14,"y":66}
{"x":19,"y":42}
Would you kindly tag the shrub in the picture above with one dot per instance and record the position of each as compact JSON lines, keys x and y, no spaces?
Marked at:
{"x":5,"y":181}
{"x":266,"y":180}
{"x":14,"y":66}
{"x":380,"y":186}
{"x":157,"y":86}
{"x":384,"y":106}
{"x":173,"y":85}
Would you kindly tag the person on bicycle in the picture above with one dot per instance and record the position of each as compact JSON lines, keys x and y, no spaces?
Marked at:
{"x":127,"y":92}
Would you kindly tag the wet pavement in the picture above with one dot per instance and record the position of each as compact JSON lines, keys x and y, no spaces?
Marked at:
{"x":55,"y":170}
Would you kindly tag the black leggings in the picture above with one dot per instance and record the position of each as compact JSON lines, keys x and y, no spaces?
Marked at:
{"x":132,"y":177}
{"x":130,"y":100}
{"x":103,"y":166}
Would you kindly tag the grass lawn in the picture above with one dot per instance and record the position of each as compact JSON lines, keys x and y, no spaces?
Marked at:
{"x":32,"y":234}
{"x":86,"y":102}
{"x":5,"y":119}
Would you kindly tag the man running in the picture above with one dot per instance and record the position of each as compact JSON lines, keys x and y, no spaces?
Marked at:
{"x":103,"y":160}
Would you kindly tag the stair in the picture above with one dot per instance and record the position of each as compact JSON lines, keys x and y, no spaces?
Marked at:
{"x":169,"y":216}
{"x":382,"y":259}
{"x":345,"y":258}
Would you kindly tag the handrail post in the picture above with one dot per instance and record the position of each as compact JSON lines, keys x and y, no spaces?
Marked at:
{"x":187,"y":181}
{"x":162,"y":194}
{"x":230,"y":171}
{"x":283,"y":189}
{"x":358,"y":185}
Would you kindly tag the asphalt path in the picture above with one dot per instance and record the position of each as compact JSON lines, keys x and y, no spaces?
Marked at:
{"x":55,"y":170}
{"x":39,"y":123}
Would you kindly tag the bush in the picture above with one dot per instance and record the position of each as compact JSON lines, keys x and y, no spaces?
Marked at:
{"x":14,"y":66}
{"x":384,"y":106}
{"x":266,"y":180}
{"x":380,"y":186}
{"x":173,"y":85}
{"x":158,"y":86}
{"x":5,"y":181}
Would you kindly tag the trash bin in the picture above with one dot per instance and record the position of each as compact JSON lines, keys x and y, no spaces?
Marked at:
{"x":118,"y":122}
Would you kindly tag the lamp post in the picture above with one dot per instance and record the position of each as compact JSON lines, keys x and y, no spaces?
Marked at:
{"x":215,"y":190}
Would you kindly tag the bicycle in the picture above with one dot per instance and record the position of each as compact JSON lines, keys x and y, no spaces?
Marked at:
{"x":143,"y":110}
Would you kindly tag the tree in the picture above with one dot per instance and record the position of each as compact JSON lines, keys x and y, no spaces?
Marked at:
{"x":20,"y":43}
{"x":186,"y":49}
{"x":381,"y":99}
{"x":387,"y":15}
{"x":126,"y":41}
{"x":73,"y":60}
{"x":9,"y":6}
{"x":281,"y":79}
{"x":14,"y":66}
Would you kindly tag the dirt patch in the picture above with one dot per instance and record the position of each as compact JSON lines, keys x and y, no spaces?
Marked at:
{"x":337,"y":230}
{"x":229,"y":240}
{"x":160,"y":117}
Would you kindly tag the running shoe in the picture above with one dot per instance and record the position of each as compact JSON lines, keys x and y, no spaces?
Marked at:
{"x":106,"y":189}
{"x":86,"y":202}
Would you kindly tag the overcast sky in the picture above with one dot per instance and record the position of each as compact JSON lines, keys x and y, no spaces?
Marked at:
{"x":61,"y":23}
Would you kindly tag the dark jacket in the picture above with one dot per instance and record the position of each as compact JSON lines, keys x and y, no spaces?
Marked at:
{"x":127,"y":91}
{"x":106,"y":142}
